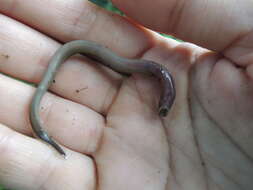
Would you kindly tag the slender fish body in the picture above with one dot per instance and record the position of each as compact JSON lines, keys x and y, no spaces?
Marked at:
{"x":109,"y":59}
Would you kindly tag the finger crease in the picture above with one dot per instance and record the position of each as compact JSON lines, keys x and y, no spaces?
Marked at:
{"x":84,"y":21}
{"x":175,"y":15}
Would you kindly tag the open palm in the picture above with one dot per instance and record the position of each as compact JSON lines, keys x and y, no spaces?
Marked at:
{"x":108,"y":123}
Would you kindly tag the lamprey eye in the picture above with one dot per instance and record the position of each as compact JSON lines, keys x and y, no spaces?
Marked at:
{"x":163,"y":111}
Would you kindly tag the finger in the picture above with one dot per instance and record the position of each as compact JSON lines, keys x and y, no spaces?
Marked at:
{"x":26,"y":56}
{"x":77,"y":19}
{"x":210,"y":24}
{"x":26,"y":163}
{"x":71,"y":124}
{"x":241,"y":53}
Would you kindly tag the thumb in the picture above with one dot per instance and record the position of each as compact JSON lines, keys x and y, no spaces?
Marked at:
{"x":211,"y":24}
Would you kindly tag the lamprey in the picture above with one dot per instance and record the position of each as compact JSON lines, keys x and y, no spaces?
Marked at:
{"x":107,"y":58}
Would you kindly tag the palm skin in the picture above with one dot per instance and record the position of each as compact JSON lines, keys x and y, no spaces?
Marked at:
{"x":201,"y":139}
{"x":110,"y":127}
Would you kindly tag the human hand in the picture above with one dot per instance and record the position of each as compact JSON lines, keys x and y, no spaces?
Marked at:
{"x":109,"y":125}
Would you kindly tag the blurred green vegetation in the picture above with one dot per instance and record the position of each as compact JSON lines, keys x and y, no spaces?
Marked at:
{"x":2,"y":188}
{"x":107,"y":4}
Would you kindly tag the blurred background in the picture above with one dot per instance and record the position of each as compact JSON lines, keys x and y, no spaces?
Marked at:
{"x":107,"y":4}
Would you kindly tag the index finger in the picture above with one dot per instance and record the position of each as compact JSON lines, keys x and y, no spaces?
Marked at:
{"x":67,"y":20}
